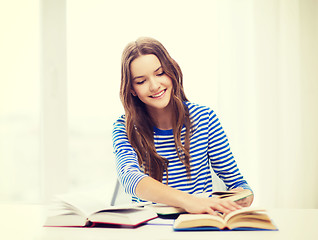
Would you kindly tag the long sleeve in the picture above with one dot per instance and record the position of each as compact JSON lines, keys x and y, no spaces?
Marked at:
{"x":127,"y":166}
{"x":221,"y":157}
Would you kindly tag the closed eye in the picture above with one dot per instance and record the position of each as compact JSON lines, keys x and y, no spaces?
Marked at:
{"x":140,"y":82}
{"x":160,"y":74}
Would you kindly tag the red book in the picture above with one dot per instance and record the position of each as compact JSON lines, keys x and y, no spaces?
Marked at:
{"x":85,"y":211}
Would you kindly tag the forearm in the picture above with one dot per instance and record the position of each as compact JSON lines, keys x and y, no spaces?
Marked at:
{"x":151,"y":190}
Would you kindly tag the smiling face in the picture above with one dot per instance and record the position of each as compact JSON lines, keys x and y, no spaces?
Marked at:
{"x":150,"y":83}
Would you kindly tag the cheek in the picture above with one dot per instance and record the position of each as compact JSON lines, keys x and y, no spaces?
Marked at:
{"x":139,"y":91}
{"x":168,"y":82}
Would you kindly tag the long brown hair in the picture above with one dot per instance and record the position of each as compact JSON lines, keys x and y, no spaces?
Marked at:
{"x":139,"y":125}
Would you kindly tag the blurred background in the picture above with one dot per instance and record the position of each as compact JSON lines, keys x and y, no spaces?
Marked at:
{"x":255,"y":62}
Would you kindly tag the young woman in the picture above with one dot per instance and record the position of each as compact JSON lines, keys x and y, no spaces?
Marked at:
{"x":164,"y":144}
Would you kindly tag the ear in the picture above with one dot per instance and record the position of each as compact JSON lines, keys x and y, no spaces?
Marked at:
{"x":133,"y":92}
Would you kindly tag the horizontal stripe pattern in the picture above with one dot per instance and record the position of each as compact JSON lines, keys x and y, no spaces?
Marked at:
{"x":208,"y":147}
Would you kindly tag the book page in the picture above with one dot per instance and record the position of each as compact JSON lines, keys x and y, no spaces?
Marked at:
{"x":242,"y":211}
{"x":199,"y":220}
{"x":82,"y":202}
{"x":86,"y":204}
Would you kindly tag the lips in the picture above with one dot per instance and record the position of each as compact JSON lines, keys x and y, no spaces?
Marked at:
{"x":159,"y":94}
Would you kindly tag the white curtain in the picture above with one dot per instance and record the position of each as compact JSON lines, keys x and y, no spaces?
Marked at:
{"x":268,"y":95}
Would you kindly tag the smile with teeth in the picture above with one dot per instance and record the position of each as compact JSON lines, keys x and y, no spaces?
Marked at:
{"x":158,"y":94}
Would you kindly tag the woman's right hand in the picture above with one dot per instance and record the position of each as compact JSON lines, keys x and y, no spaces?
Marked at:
{"x":193,"y":204}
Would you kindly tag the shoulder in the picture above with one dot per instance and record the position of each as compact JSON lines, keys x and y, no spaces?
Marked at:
{"x":196,"y":110}
{"x":119,"y":124}
{"x":119,"y":134}
{"x":120,"y":121}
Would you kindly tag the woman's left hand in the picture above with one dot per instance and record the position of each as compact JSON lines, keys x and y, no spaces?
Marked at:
{"x":245,"y":202}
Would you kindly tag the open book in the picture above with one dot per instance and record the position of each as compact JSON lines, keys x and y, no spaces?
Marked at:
{"x":84,"y":211}
{"x":242,"y":219}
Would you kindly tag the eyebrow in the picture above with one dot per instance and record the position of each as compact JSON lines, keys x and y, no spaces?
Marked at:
{"x":143,"y":76}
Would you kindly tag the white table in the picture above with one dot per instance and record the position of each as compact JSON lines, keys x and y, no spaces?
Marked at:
{"x":292,"y":224}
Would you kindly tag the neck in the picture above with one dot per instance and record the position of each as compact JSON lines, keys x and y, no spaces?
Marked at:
{"x":162,"y":117}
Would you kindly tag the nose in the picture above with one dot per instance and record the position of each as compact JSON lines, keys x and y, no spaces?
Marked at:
{"x":154,"y":85}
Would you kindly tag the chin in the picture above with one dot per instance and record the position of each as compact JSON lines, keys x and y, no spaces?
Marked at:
{"x":161,"y":106}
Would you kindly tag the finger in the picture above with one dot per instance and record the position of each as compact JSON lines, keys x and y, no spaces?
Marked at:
{"x":224,"y":207}
{"x":211,"y":211}
{"x":231,"y":205}
{"x":246,"y":201}
{"x":240,"y":202}
{"x":243,"y":203}
{"x":236,"y":205}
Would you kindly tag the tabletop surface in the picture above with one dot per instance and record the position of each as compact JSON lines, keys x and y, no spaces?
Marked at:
{"x":25,"y":222}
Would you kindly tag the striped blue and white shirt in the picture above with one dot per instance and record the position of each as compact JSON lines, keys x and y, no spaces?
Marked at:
{"x":209,"y":147}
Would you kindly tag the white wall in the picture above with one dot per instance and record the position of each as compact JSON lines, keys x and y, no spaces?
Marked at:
{"x":19,"y":100}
